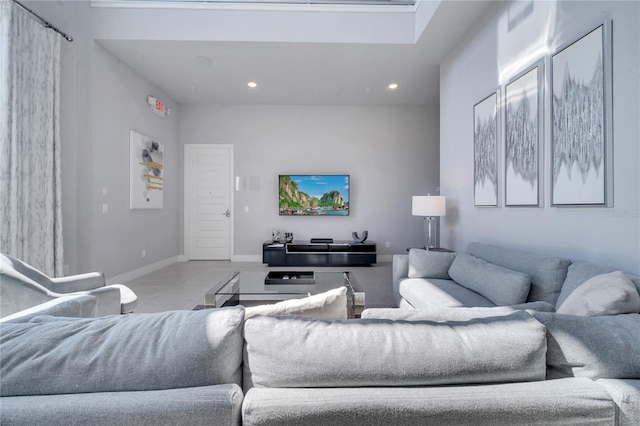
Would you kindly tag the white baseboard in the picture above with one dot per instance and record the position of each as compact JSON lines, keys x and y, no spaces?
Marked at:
{"x":137,"y":273}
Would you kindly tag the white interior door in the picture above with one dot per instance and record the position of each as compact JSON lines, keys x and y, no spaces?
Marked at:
{"x":208,"y":183}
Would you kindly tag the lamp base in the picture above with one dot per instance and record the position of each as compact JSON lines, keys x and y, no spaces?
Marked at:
{"x":431,"y":233}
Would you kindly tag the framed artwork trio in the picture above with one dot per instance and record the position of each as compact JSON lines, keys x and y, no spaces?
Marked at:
{"x":508,"y":126}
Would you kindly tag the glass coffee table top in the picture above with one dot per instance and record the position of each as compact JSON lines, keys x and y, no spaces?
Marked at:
{"x":250,"y":288}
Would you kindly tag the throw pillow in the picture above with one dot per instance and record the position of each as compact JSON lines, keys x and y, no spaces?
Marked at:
{"x":579,"y":272}
{"x":328,"y":305}
{"x":605,"y":294}
{"x":502,"y":286}
{"x":430,"y":264}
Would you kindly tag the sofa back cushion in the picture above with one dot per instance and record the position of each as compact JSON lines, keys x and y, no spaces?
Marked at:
{"x":604,"y":347}
{"x":502,"y":286}
{"x":547,"y":273}
{"x":430,"y":264}
{"x":303,"y":352}
{"x":135,"y":352}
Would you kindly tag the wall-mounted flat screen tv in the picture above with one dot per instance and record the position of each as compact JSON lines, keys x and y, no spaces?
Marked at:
{"x":314,"y":195}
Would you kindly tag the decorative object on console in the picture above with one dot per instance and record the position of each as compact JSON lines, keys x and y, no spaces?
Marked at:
{"x":485,"y":151}
{"x":360,"y":239}
{"x":275,"y":235}
{"x":288,"y":237}
{"x":429,"y":207}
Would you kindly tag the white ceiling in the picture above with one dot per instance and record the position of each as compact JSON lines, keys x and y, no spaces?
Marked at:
{"x":296,"y":73}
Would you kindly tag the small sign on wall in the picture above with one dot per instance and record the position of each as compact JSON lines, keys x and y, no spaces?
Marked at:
{"x":146,"y":172}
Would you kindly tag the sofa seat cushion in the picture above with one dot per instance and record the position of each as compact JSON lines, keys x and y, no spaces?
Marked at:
{"x":547,"y":272}
{"x":579,"y":272}
{"x":626,"y":395}
{"x":305,"y":352}
{"x":555,"y":402}
{"x":604,"y":347}
{"x":430,"y":264}
{"x":605,"y":294}
{"x":202,"y":405}
{"x":134,"y":352}
{"x":501,"y":285}
{"x":423,"y":293}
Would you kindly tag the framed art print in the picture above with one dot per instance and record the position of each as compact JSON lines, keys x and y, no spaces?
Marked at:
{"x":523,"y":115}
{"x":581,"y":128}
{"x":146,"y":175}
{"x":485,"y":151}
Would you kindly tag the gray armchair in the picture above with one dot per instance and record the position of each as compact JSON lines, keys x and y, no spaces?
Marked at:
{"x":23,"y":287}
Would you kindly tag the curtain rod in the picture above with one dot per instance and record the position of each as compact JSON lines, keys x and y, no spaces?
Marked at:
{"x":44,"y":22}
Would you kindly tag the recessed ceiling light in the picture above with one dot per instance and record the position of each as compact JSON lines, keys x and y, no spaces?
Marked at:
{"x":252,"y":84}
{"x":393,"y":86}
{"x":204,"y":61}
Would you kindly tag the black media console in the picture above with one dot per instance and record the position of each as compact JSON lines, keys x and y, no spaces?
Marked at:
{"x":339,"y":253}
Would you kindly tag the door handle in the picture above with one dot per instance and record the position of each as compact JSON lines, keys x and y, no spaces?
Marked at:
{"x":227,"y":213}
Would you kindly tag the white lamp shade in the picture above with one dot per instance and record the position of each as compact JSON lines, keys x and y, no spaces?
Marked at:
{"x":428,"y":205}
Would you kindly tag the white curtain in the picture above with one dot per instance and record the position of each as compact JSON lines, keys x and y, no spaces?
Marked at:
{"x":31,"y":213}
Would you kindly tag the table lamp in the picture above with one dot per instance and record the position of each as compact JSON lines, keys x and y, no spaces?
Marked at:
{"x":429,"y":206}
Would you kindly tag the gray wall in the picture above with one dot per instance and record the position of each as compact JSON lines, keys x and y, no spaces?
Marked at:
{"x":119,"y":104}
{"x":391,"y":153}
{"x":101,"y":100}
{"x":492,"y":53}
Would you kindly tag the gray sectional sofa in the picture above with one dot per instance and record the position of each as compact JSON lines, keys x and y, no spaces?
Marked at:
{"x":486,"y":276}
{"x":486,"y":365}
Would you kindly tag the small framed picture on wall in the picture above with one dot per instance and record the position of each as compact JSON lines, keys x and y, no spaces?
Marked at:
{"x":581,"y":157}
{"x":485,"y":151}
{"x":523,"y":132}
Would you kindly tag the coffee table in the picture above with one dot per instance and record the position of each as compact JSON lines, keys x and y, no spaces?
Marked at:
{"x":249,"y":288}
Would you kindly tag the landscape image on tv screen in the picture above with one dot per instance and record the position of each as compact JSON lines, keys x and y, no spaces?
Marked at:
{"x":314,"y":195}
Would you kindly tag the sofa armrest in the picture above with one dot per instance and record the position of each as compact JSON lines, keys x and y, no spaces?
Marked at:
{"x":76,"y":305}
{"x":74,"y":283}
{"x":626,"y":395}
{"x":400,"y":269}
{"x":108,"y":300}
